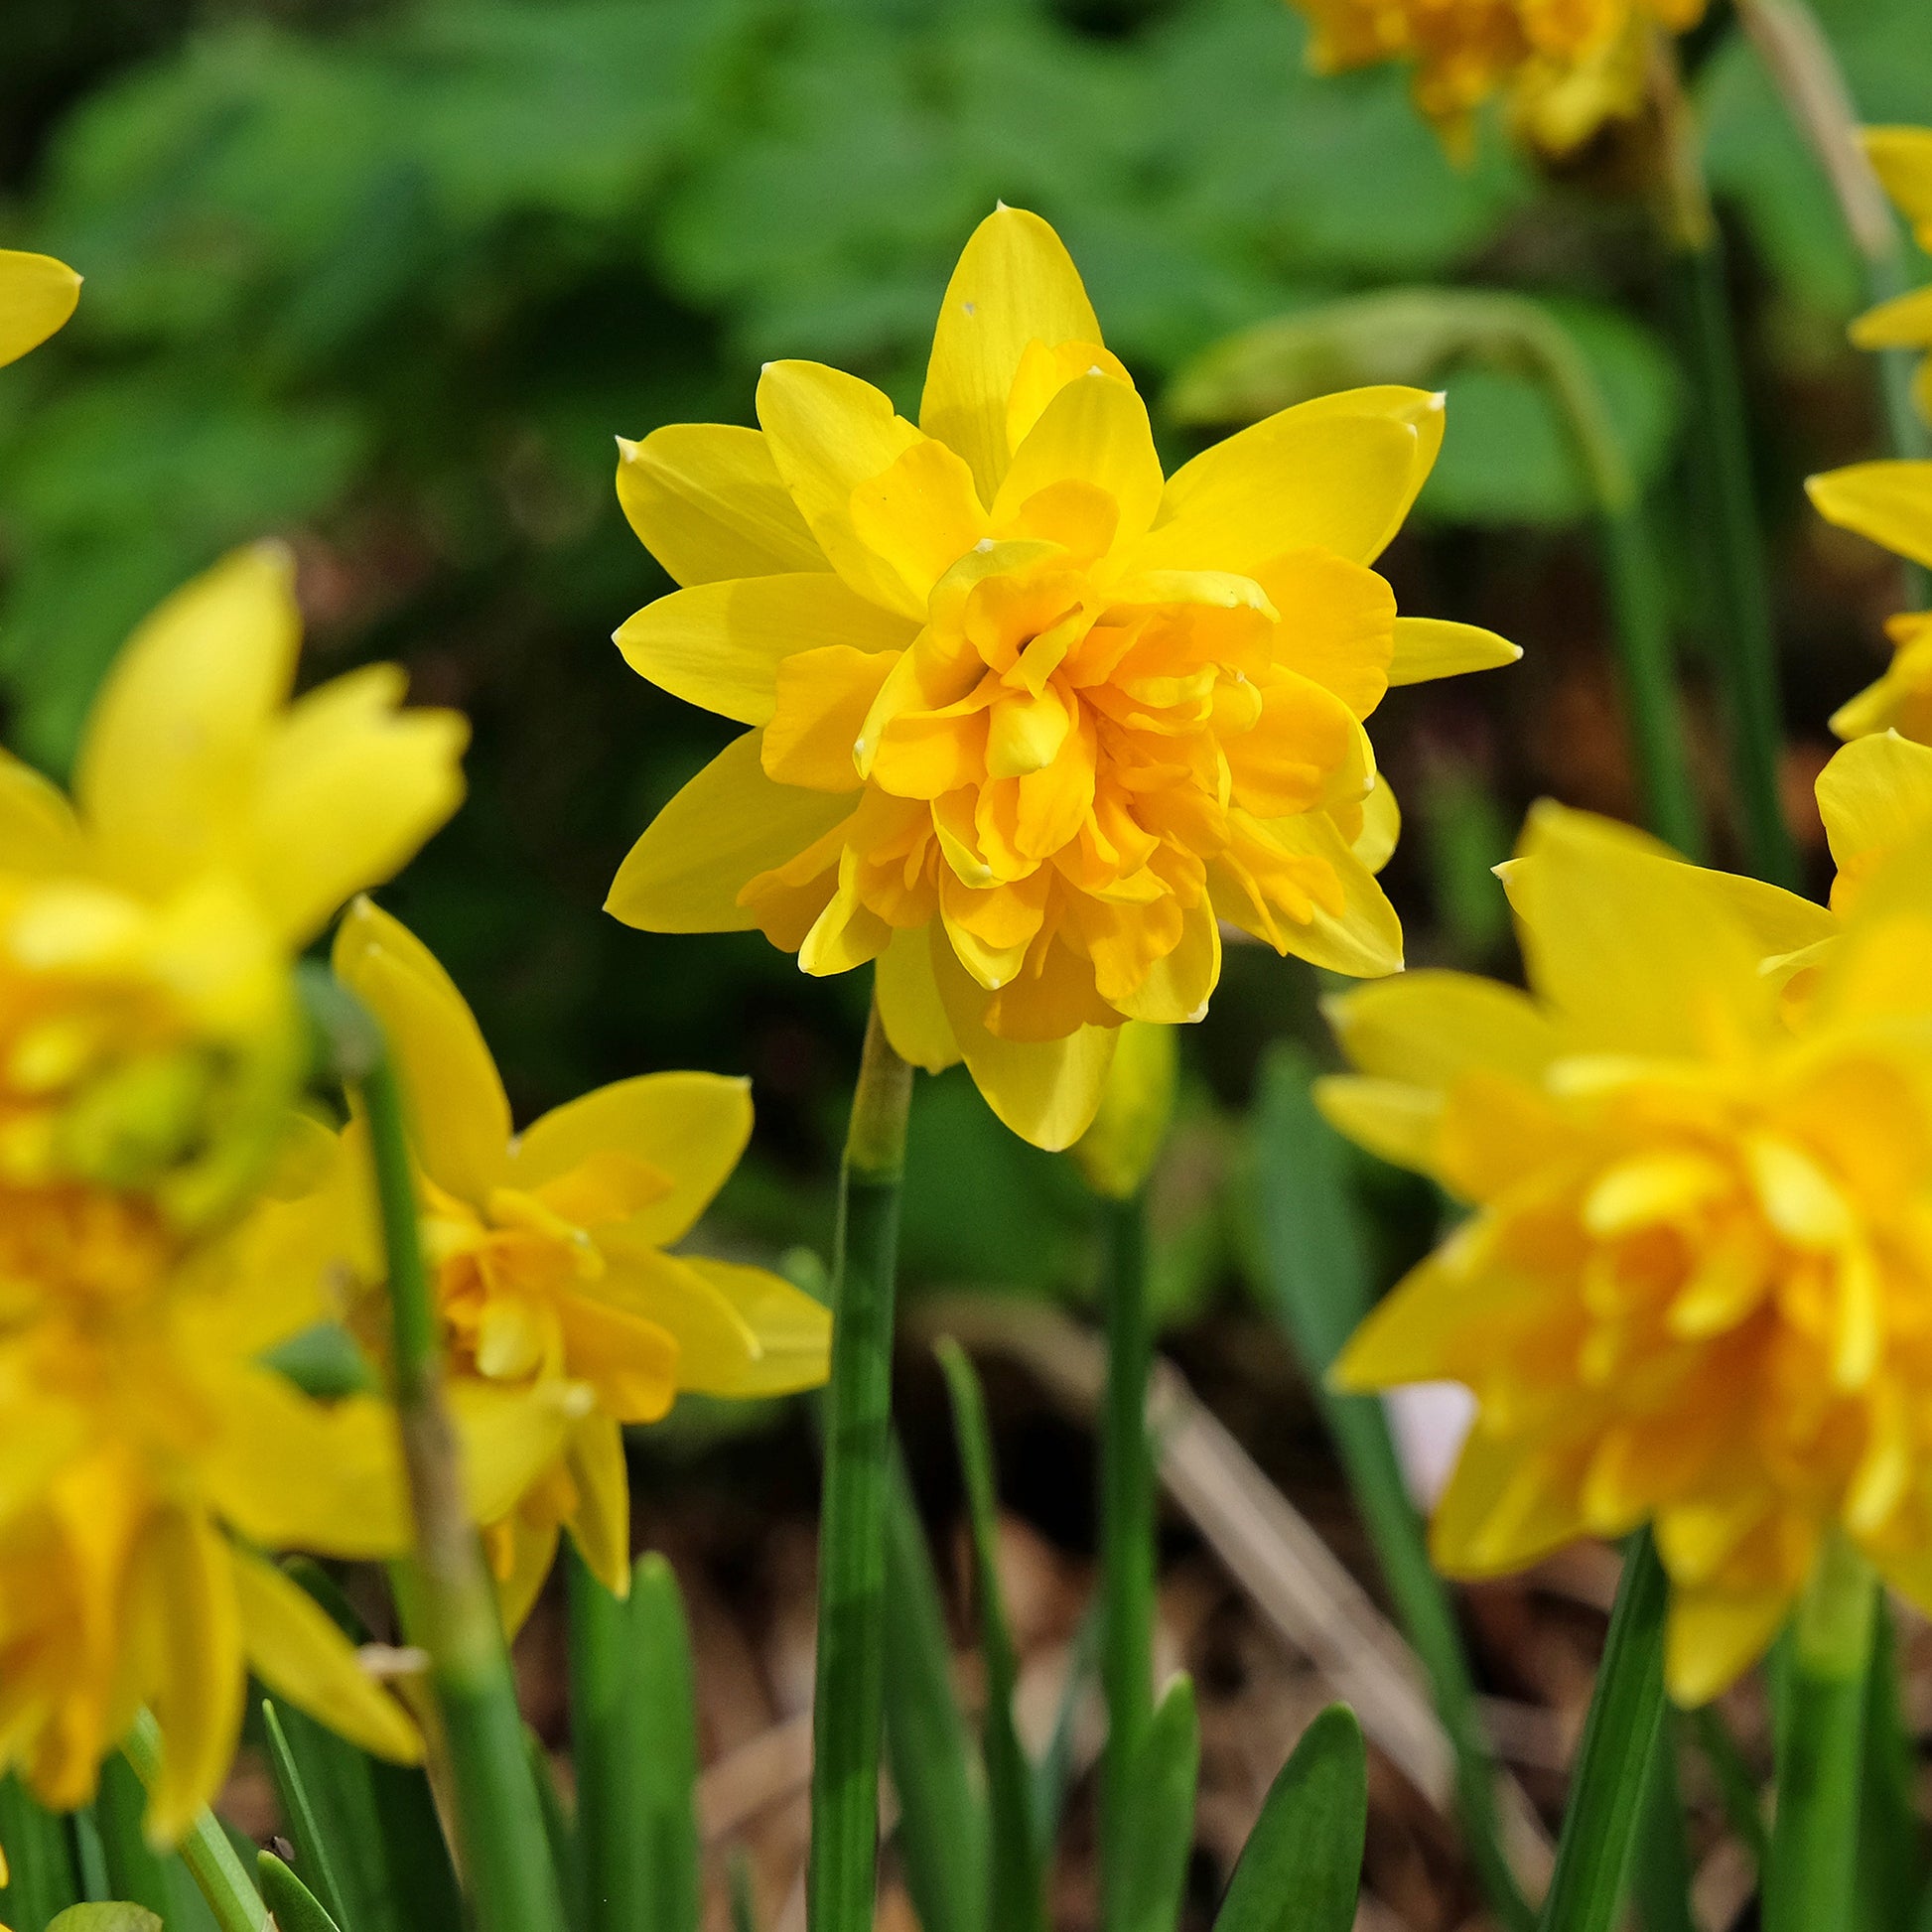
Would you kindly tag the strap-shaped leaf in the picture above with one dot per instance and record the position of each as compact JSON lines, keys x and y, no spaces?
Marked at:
{"x":42,"y":1881}
{"x":1302,"y":1865}
{"x":295,"y":1906}
{"x":312,"y":1845}
{"x":1161,"y":1814}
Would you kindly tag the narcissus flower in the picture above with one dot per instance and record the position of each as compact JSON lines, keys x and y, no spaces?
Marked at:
{"x":1892,"y":504}
{"x":37,"y":296}
{"x":1903,"y":158}
{"x":1695,"y":1288}
{"x":1029,"y":720}
{"x":1563,"y":67}
{"x":549,"y":1253}
{"x":149,"y":1457}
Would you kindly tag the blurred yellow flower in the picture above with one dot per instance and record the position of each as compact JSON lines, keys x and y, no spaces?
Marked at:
{"x":149,"y":1455}
{"x":1563,"y":67}
{"x":1029,"y":720}
{"x":1903,"y":158}
{"x":1875,"y":800}
{"x":37,"y":296}
{"x":1695,"y":1288}
{"x":1118,"y":1151}
{"x":548,"y":1253}
{"x":1892,"y":504}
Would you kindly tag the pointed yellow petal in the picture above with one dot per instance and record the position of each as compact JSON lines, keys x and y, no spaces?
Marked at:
{"x":37,"y":296}
{"x":1014,"y":284}
{"x":728,"y":825}
{"x":600,"y":1525}
{"x":793,"y":1332}
{"x":531,"y":1544}
{"x":720,"y":645}
{"x":1375,"y":843}
{"x":38,"y":830}
{"x":350,"y":787}
{"x":459,"y":1116}
{"x":1428,"y":1028}
{"x":716,"y":1350}
{"x":1713,"y":1636}
{"x":1427,"y":648}
{"x":1876,"y":798}
{"x":1507,"y":1505}
{"x":691,"y":1127}
{"x":1395,"y":1122}
{"x":509,"y":1437}
{"x":173,"y":744}
{"x":297,"y":1652}
{"x":1889,"y":502}
{"x":910,"y":1007}
{"x":1096,"y":429}
{"x":1903,"y":322}
{"x":707,"y":502}
{"x":1363,"y":941}
{"x":1903,"y":158}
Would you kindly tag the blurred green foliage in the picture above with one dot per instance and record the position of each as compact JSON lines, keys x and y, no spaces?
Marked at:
{"x":387,"y":276}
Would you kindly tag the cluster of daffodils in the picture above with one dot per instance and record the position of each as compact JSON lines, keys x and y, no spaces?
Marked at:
{"x":1030,"y":721}
{"x":1562,"y":68}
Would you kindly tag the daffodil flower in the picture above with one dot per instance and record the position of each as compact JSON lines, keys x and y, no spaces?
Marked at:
{"x":1030,"y":721}
{"x":548,"y":1249}
{"x":1694,"y":1288}
{"x":37,"y":296}
{"x":1564,"y":69}
{"x":1902,"y":157}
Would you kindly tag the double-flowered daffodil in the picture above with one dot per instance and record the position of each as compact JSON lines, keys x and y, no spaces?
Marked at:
{"x":548,"y":1252}
{"x":1030,"y":719}
{"x":37,"y":296}
{"x":1695,"y":1289}
{"x":1563,"y":67}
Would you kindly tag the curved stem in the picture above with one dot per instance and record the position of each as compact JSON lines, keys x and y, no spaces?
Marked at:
{"x":205,"y":1852}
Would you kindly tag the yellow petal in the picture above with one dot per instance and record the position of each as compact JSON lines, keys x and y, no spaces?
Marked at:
{"x":1337,"y":474}
{"x":1876,"y":798}
{"x":37,"y":295}
{"x":728,"y":825}
{"x":532,"y":1549}
{"x":600,"y":1525}
{"x":459,"y":1115}
{"x":1374,"y":845}
{"x":1363,"y":941}
{"x":509,"y":1437}
{"x":1903,"y":158}
{"x":691,"y":1127}
{"x":1713,"y":1636}
{"x":183,"y":1603}
{"x":1047,"y":1091}
{"x":174,"y":744}
{"x":1889,"y":502}
{"x":793,"y":1332}
{"x":1178,"y":985}
{"x":297,"y":1652}
{"x":1096,"y":429}
{"x":38,"y":829}
{"x":720,"y":645}
{"x":1905,"y":322}
{"x":1427,"y":648}
{"x":707,"y":502}
{"x":910,"y":1007}
{"x":1428,"y":1028}
{"x":918,"y":517}
{"x":1014,"y":284}
{"x":824,"y":699}
{"x":1506,"y":1506}
{"x":1395,"y":1122}
{"x":1337,"y":625}
{"x":828,"y":433}
{"x":350,"y":787}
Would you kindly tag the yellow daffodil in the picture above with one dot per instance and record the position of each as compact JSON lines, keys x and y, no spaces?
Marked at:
{"x":37,"y":296}
{"x":149,"y":1042}
{"x":149,"y":1457}
{"x":1694,"y":1290}
{"x":1029,"y":720}
{"x":548,"y":1249}
{"x":1889,"y":502}
{"x":1563,"y":67}
{"x":1903,"y":158}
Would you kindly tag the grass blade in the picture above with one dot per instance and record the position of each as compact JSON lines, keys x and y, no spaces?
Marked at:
{"x":1053,"y":1772}
{"x":1159,"y":1817}
{"x":1316,"y":1279}
{"x":665,"y":1744}
{"x":311,"y":1842}
{"x":42,"y":1881}
{"x":559,"y":1831}
{"x":1738,"y":1792}
{"x":941,"y":1835}
{"x":1891,"y":1845}
{"x":604,"y":1716}
{"x":296,"y":1907}
{"x":1660,"y":1879}
{"x":1302,"y":1865}
{"x":1017,"y":1889}
{"x":205,"y":1851}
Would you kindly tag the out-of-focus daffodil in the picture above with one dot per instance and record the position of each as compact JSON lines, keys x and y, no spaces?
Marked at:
{"x":1029,"y":720}
{"x":1563,"y":67}
{"x":1889,"y":502}
{"x":1118,"y":1151}
{"x":1694,"y":1289}
{"x":37,"y":296}
{"x":150,"y":1457}
{"x":1903,"y":158}
{"x":548,"y":1249}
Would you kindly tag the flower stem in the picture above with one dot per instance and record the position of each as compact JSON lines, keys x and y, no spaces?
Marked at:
{"x":1613,"y":1761}
{"x":453,"y":1605}
{"x":205,"y":1852}
{"x":1722,"y":480}
{"x":1126,"y":1544}
{"x":1808,"y":1883}
{"x":846,"y":1711}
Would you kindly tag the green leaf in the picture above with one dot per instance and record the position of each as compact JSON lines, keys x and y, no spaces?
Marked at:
{"x":1302,"y":1865}
{"x":1053,"y":1772}
{"x":1016,"y":1892}
{"x":311,"y":1842}
{"x":942,"y":1826}
{"x":296,"y":1907}
{"x":1891,"y":1839}
{"x":134,"y":1870}
{"x":1161,"y":1814}
{"x":207,"y":1851}
{"x":116,"y":1916}
{"x":41,"y":1879}
{"x":666,"y":1744}
{"x":559,"y":1829}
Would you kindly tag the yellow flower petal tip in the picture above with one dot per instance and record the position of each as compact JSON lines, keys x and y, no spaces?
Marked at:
{"x":1028,"y":720}
{"x":37,"y":296}
{"x":1686,"y":1292}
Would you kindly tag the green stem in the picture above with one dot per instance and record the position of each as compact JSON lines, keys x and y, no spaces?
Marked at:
{"x":1126,"y":1542}
{"x":205,"y":1852}
{"x":451,"y":1603}
{"x":1660,"y":1882}
{"x":846,"y":1711}
{"x":1620,"y":1735}
{"x":600,"y":1747}
{"x":1808,"y":1883}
